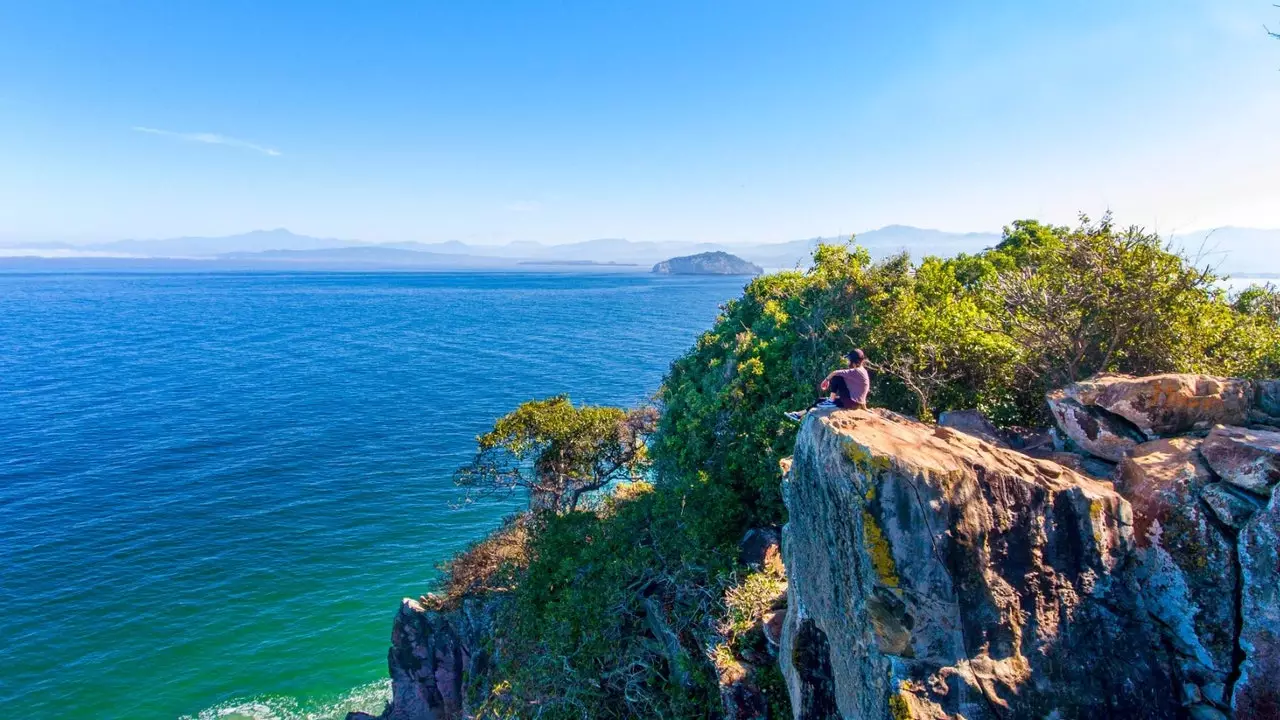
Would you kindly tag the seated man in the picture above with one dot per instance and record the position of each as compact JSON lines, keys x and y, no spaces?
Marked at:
{"x":847,"y":387}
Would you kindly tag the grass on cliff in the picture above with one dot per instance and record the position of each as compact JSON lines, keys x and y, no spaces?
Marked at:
{"x":638,"y":609}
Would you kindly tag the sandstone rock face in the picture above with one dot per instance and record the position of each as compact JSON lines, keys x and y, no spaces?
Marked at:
{"x":1165,"y":405}
{"x":1188,"y":562}
{"x":433,"y":656}
{"x":934,"y":575}
{"x":1248,"y":459}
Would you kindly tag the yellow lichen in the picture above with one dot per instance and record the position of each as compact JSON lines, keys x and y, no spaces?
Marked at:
{"x":879,"y":550}
{"x":898,"y":707}
{"x":857,"y":455}
{"x":1097,"y":516}
{"x":863,"y":460}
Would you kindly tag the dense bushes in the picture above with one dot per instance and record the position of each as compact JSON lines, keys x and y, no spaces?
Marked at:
{"x":612,"y":616}
{"x":636,"y":608}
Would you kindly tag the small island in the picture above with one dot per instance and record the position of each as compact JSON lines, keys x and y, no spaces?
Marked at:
{"x":708,"y":263}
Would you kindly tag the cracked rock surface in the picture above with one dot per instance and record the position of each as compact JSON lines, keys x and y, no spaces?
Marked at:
{"x":934,"y":575}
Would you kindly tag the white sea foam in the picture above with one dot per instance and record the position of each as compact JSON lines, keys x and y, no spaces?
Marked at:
{"x":367,"y":698}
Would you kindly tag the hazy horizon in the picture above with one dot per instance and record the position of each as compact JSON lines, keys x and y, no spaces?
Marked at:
{"x":8,"y":239}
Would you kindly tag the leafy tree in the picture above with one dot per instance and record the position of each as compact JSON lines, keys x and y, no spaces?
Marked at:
{"x":559,"y":452}
{"x":932,"y":340}
{"x":1095,"y":299}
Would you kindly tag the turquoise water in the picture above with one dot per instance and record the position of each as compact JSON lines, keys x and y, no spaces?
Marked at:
{"x":215,"y":489}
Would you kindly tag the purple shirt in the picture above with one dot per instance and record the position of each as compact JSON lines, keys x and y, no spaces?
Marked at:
{"x":857,"y":380}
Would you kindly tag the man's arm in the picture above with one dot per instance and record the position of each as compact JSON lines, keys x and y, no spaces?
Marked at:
{"x":826,"y":382}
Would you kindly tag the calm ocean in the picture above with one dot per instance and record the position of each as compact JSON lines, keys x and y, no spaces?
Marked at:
{"x":215,"y":489}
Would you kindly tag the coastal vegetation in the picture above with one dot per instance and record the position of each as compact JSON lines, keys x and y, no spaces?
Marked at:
{"x":637,"y":604}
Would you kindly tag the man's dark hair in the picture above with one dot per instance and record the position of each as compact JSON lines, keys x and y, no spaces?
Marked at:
{"x":856,"y":356}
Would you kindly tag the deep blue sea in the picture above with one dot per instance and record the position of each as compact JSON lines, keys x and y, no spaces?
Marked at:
{"x":215,"y":489}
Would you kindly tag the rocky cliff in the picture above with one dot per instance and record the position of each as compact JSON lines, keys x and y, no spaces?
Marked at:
{"x":960,"y":571}
{"x":437,"y":659}
{"x":936,"y":574}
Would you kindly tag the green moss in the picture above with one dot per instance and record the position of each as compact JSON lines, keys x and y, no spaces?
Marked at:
{"x":774,"y":688}
{"x":862,"y":459}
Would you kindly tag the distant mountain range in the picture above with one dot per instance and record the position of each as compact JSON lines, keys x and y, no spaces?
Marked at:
{"x":1231,"y":250}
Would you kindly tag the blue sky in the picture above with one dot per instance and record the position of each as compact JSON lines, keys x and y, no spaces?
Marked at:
{"x":724,"y":121}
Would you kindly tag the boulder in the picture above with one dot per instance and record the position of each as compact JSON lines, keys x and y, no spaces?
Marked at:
{"x":1232,"y":507}
{"x":935,"y":575}
{"x":1248,"y":459}
{"x":1093,"y":430}
{"x":1188,"y":563}
{"x":1257,"y":691}
{"x":1165,"y":405}
{"x":974,"y":423}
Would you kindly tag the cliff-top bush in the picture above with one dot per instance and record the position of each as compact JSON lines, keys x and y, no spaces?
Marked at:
{"x":992,"y":331}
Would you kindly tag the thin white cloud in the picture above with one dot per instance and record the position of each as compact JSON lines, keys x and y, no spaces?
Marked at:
{"x":211,"y":139}
{"x":524,"y":206}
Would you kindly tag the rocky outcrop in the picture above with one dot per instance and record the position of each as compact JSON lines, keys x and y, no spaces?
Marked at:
{"x":436,"y":657}
{"x":932,"y":574}
{"x":1108,"y":415}
{"x":1205,"y":523}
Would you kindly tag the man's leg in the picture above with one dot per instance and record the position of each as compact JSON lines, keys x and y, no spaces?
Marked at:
{"x":841,"y":391}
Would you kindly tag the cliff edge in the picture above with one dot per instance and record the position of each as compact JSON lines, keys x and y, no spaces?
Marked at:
{"x":935,"y":574}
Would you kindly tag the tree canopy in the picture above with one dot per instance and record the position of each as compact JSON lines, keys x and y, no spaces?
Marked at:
{"x":559,"y":452}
